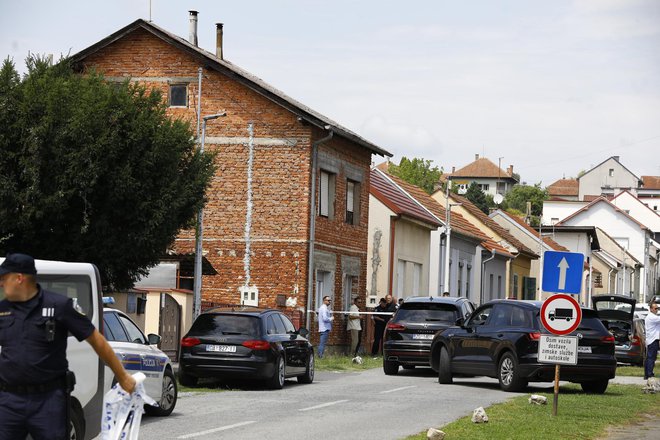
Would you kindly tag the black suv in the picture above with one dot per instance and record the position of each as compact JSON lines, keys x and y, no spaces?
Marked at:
{"x":245,"y":342}
{"x":501,"y":339}
{"x":618,"y":314}
{"x":409,"y":333}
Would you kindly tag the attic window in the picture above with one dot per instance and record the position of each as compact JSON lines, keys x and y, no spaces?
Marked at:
{"x":611,"y":172}
{"x":178,"y":95}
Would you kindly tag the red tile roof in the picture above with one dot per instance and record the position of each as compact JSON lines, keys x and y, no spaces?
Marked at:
{"x":547,"y":240}
{"x":595,"y":202}
{"x":651,"y":182}
{"x":392,"y":195}
{"x":481,"y":167}
{"x":563,"y":187}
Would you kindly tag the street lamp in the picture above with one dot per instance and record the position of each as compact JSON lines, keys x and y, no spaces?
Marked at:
{"x":197,"y":296}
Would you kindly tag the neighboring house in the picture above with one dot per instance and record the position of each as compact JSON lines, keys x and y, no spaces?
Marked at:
{"x":629,"y":233}
{"x":529,"y":236}
{"x":564,"y":189}
{"x":287,"y":211}
{"x":638,"y":210}
{"x":517,"y":268}
{"x":557,"y":209}
{"x":399,"y":240}
{"x":490,"y":177}
{"x":607,"y":178}
{"x":649,"y":192}
{"x":618,"y":265}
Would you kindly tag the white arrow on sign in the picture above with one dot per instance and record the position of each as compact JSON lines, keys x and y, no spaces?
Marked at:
{"x":563,"y":267}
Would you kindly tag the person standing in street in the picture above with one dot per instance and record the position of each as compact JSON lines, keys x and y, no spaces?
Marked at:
{"x":34,"y":328}
{"x":379,"y":326}
{"x":353,"y":325}
{"x":652,"y":323}
{"x":325,"y":324}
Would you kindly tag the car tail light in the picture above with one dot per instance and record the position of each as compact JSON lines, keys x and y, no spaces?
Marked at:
{"x":609,"y":339}
{"x":190,"y":342}
{"x":534,"y":336}
{"x":395,"y":326}
{"x":257,"y":345}
{"x":636,"y":341}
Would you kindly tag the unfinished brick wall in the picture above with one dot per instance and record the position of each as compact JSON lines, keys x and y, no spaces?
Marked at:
{"x":281,"y":181}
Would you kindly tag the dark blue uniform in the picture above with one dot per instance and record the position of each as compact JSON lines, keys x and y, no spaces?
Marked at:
{"x":33,"y":364}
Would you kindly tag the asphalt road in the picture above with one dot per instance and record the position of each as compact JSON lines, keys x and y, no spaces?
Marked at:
{"x":363,"y":405}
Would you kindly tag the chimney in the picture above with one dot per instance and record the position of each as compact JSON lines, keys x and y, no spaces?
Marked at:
{"x":615,"y":158}
{"x":192,"y":37}
{"x":476,"y":157}
{"x":509,"y":170}
{"x":453,"y":170}
{"x":218,"y":40}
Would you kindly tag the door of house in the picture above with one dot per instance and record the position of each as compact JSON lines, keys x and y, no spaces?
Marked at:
{"x":169,"y":326}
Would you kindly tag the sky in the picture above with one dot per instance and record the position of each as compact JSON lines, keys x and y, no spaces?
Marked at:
{"x":550,"y":87}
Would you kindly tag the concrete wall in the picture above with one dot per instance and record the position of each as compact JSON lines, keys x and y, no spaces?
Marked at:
{"x":554,"y":212}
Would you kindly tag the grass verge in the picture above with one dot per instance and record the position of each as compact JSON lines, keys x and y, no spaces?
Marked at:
{"x":579,"y":415}
{"x":345,"y":363}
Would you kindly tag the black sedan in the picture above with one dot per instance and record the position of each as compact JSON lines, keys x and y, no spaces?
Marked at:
{"x":409,"y":333}
{"x":501,"y":340}
{"x":245,"y":342}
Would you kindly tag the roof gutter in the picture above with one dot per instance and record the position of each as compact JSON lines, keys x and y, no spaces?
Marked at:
{"x":312,"y":223}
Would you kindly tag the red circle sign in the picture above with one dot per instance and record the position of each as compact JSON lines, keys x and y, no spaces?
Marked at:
{"x":561,"y":314}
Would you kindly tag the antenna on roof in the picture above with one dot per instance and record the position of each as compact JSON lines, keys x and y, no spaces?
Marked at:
{"x":149,"y":11}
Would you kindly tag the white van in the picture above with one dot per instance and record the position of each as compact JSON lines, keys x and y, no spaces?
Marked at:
{"x":82,"y":282}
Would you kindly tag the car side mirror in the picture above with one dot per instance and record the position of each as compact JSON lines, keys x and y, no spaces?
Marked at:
{"x":459,"y":322}
{"x":153,"y":339}
{"x":302,"y":331}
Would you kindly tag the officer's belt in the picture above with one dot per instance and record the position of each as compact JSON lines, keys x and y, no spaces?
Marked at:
{"x":35,"y":388}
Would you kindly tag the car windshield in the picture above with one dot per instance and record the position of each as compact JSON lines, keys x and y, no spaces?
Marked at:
{"x":425,"y":312}
{"x":221,"y":324}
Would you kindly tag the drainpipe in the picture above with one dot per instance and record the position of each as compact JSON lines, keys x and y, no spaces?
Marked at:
{"x":609,"y":280}
{"x":483,"y":273}
{"x":312,"y":223}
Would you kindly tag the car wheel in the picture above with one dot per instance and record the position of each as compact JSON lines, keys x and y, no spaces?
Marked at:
{"x":308,"y":377}
{"x":444,"y":367}
{"x":408,"y":367}
{"x":186,"y":379}
{"x":390,"y":368}
{"x":76,"y":425}
{"x":595,"y":386}
{"x":167,"y":399}
{"x":276,"y":382}
{"x":509,"y":374}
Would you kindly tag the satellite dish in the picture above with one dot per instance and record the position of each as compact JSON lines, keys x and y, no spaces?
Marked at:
{"x":498,"y":198}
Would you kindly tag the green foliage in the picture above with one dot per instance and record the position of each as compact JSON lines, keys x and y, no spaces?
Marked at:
{"x":345,"y":363}
{"x":417,"y":172}
{"x":519,"y":195}
{"x":477,"y":196}
{"x":92,"y":171}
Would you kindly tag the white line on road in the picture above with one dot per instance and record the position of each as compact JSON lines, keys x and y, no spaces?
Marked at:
{"x":397,"y":389}
{"x":211,"y":431}
{"x":323,"y":405}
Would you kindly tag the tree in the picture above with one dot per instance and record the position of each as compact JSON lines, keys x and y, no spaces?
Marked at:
{"x":92,"y":171}
{"x":519,"y":195}
{"x":417,"y":172}
{"x":477,"y":196}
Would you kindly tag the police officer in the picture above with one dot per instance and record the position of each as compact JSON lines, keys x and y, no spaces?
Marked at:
{"x":34,"y":326}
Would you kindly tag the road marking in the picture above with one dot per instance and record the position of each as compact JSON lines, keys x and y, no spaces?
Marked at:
{"x":323,"y":405}
{"x":211,"y":431}
{"x":397,"y":389}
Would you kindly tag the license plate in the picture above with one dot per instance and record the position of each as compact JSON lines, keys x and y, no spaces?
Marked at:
{"x":584,"y":349}
{"x":422,"y":336}
{"x":221,"y":348}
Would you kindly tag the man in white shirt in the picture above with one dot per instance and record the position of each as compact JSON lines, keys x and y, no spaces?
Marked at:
{"x":325,"y":324}
{"x":652,"y":323}
{"x":353,"y":325}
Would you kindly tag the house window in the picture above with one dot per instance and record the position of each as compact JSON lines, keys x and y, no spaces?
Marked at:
{"x":611,"y":172}
{"x":326,"y":194}
{"x":460,"y":278}
{"x":514,"y":293}
{"x":598,"y":280}
{"x":417,"y":276}
{"x":178,"y":95}
{"x":467,"y":280}
{"x":484,"y":186}
{"x":352,"y":202}
{"x":499,"y":286}
{"x":323,"y":286}
{"x":501,"y":187}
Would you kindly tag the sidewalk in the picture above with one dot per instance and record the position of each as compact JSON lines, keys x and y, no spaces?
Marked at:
{"x":647,"y":429}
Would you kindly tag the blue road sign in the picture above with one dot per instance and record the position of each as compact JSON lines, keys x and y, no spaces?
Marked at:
{"x":562,"y":272}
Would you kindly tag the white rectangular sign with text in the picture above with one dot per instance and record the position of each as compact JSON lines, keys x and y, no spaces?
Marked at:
{"x":558,"y":349}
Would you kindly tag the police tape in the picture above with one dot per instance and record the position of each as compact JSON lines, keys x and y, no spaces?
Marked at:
{"x":359,"y":313}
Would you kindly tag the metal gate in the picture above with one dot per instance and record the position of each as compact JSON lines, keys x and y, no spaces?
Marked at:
{"x":169,"y":326}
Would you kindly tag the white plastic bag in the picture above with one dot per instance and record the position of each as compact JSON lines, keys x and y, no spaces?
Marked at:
{"x":122,"y":412}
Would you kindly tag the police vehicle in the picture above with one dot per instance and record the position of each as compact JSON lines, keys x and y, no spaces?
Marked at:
{"x":141,"y":354}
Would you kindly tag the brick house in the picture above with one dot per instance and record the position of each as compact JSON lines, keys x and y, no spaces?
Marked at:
{"x":287,"y":211}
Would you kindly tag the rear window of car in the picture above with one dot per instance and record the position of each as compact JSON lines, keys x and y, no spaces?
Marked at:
{"x":220,"y":324}
{"x":427,"y":312}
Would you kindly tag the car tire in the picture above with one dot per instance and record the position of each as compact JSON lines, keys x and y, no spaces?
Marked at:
{"x":187,"y":380}
{"x":276,"y":382}
{"x":308,"y":377}
{"x":390,"y":368}
{"x":508,"y":374}
{"x":595,"y":386}
{"x":167,"y":399}
{"x":77,"y":425}
{"x":444,"y":367}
